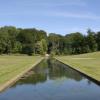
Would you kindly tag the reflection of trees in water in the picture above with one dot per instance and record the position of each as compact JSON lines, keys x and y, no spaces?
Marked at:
{"x":38,"y":75}
{"x":49,"y":68}
{"x":54,"y":70}
{"x":32,"y":79}
{"x":57,"y":70}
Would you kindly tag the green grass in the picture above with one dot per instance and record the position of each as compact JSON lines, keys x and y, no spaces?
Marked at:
{"x":87,"y":63}
{"x":11,"y":66}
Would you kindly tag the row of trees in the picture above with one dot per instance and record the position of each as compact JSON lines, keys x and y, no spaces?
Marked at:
{"x":75,"y":43}
{"x":33,"y":41}
{"x":26,"y":41}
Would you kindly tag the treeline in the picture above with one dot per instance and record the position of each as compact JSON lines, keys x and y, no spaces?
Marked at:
{"x":25,"y":41}
{"x":32,"y":41}
{"x":74,"y":43}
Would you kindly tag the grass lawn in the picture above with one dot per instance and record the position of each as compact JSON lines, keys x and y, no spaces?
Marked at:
{"x":11,"y":66}
{"x":87,"y":63}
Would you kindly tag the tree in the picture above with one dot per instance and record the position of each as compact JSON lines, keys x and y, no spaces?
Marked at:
{"x":74,"y":43}
{"x":91,"y":40}
{"x":27,"y":49}
{"x":54,"y":43}
{"x":31,"y":40}
{"x":98,"y":39}
{"x":4,"y":41}
{"x":12,"y":32}
{"x":44,"y":46}
{"x":17,"y":48}
{"x":41,"y":47}
{"x":25,"y":37}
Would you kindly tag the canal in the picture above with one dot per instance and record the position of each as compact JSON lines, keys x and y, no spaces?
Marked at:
{"x":52,"y":80}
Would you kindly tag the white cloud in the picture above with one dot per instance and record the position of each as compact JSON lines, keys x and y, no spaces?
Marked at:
{"x":69,"y":3}
{"x":84,"y":15}
{"x":50,"y":3}
{"x":42,"y":11}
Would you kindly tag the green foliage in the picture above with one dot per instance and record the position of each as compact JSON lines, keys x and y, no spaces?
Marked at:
{"x":17,"y":47}
{"x":91,"y":41}
{"x":27,"y":49}
{"x":98,"y":40}
{"x":52,"y":54}
{"x":32,"y":41}
{"x":44,"y":45}
{"x":41,"y":47}
{"x":74,"y":43}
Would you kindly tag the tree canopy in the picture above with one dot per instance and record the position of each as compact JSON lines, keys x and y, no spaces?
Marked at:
{"x":32,"y":41}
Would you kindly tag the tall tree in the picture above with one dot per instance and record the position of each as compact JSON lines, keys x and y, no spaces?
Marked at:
{"x":98,"y":40}
{"x":91,"y":40}
{"x":27,"y":40}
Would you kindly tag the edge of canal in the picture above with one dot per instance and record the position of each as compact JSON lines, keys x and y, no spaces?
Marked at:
{"x":81,"y":72}
{"x":16,"y":78}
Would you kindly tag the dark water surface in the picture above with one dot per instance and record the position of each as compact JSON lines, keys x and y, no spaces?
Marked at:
{"x":51,"y":80}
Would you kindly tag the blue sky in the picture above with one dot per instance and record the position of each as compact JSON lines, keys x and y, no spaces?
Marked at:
{"x":57,"y":16}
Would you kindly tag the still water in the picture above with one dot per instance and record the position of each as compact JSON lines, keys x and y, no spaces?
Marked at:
{"x":52,"y":80}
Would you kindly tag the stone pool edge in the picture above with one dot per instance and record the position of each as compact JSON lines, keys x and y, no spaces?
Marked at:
{"x":16,"y":78}
{"x":80,"y":71}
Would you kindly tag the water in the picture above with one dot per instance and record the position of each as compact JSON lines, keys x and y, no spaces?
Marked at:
{"x":51,"y":80}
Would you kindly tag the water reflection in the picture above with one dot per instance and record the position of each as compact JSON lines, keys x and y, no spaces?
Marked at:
{"x":52,"y":80}
{"x":50,"y":69}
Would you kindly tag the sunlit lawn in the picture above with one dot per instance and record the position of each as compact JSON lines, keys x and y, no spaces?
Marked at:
{"x":11,"y":66}
{"x":87,"y":63}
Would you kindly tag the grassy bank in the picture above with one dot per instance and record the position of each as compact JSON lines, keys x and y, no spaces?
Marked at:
{"x":87,"y":63}
{"x":11,"y":66}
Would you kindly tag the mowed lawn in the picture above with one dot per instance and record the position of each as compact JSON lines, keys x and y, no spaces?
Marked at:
{"x":11,"y":66}
{"x":87,"y":63}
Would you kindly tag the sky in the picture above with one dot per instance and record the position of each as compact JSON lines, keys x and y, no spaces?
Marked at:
{"x":53,"y":16}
